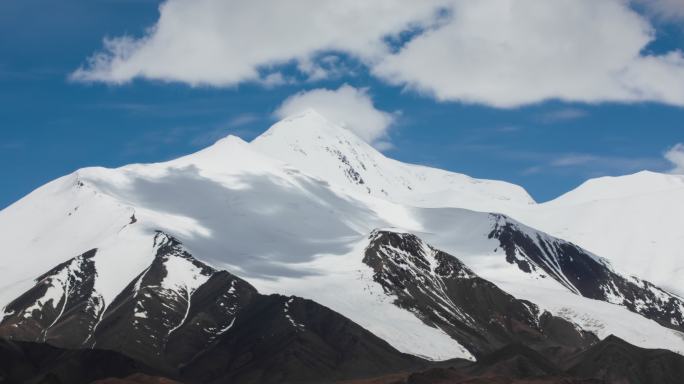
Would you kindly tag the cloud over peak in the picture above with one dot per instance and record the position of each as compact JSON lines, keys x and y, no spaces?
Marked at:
{"x":502,"y":53}
{"x":347,"y":106}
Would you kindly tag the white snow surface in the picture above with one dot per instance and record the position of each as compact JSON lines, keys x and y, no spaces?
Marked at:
{"x":345,"y":284}
{"x":634,"y":221}
{"x":312,"y":144}
{"x":288,"y":214}
{"x":462,"y":235}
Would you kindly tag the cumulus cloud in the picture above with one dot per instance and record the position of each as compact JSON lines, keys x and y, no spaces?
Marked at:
{"x":671,"y":10}
{"x":502,"y":53}
{"x":675,"y":155}
{"x":508,"y":53}
{"x":348,"y":106}
{"x":225,"y":42}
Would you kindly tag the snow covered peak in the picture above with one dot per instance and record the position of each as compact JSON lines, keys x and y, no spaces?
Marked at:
{"x":633,"y":220}
{"x":318,"y":147}
{"x":227,"y":153}
{"x":228,"y":142}
{"x":308,"y":131}
{"x":609,"y":187}
{"x":308,"y":122}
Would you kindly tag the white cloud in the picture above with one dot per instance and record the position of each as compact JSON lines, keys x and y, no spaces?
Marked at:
{"x":383,"y":145}
{"x":503,"y":53}
{"x":671,"y":10}
{"x":508,"y":53}
{"x":225,"y":42}
{"x":675,"y":155}
{"x":348,"y":106}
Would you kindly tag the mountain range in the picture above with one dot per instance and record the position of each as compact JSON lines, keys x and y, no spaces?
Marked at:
{"x":308,"y":256}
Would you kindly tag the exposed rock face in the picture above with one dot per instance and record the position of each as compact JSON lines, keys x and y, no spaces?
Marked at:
{"x":183,"y":320}
{"x":444,"y":293}
{"x":585,"y":274}
{"x":62,"y":308}
{"x":181,"y":315}
{"x":157,"y":307}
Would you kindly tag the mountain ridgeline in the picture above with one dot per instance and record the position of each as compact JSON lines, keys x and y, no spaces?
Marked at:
{"x":444,"y":293}
{"x":212,"y":326}
{"x":585,"y":274}
{"x":306,"y":256}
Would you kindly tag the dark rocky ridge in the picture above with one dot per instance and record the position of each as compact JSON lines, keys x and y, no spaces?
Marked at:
{"x":62,"y":308}
{"x":616,"y":361}
{"x":223,"y":329}
{"x":585,"y":274}
{"x":611,"y":361}
{"x":444,"y":293}
{"x":22,"y":362}
{"x":144,"y":317}
{"x":311,"y":344}
{"x":137,"y":378}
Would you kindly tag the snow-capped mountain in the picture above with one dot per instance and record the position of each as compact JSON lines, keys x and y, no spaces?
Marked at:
{"x":179,"y":313}
{"x":446,"y":294}
{"x":177,"y":260}
{"x":316,"y":146}
{"x":633,"y":220}
{"x":585,"y":274}
{"x":620,"y":218}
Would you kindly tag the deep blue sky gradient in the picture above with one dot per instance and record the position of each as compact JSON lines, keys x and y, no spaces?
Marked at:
{"x":50,"y":126}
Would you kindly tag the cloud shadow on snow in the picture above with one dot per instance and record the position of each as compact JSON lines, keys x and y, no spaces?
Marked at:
{"x":259,"y":224}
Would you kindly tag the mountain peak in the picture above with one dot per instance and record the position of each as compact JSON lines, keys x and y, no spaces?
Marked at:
{"x":315,"y":145}
{"x":308,"y":114}
{"x":615,"y":187}
{"x":307,"y":125}
{"x":230,"y":154}
{"x":228,"y":143}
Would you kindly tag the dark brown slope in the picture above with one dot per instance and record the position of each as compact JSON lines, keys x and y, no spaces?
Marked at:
{"x":612,"y":361}
{"x":616,"y":361}
{"x":137,"y":378}
{"x":222,"y":331}
{"x":22,"y":362}
{"x":583,"y":273}
{"x":513,"y":364}
{"x":65,"y":323}
{"x":446,"y":294}
{"x":281,"y":339}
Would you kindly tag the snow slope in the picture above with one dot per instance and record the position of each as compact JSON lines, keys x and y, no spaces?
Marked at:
{"x":345,"y":284}
{"x":290,"y":213}
{"x":634,"y":221}
{"x":233,"y":206}
{"x":320,"y":148}
{"x":464,"y":235}
{"x":630,"y":220}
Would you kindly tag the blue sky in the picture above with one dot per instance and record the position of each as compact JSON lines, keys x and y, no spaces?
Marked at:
{"x":51,"y":125}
